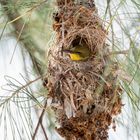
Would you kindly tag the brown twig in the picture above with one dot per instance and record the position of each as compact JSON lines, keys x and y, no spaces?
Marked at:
{"x":45,"y":135}
{"x":40,"y":123}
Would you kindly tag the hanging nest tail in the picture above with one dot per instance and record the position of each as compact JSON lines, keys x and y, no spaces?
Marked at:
{"x":85,"y":94}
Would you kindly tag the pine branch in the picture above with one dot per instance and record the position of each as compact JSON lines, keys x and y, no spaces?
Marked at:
{"x":21,"y":30}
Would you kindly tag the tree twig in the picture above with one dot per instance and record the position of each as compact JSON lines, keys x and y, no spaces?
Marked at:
{"x":40,"y":123}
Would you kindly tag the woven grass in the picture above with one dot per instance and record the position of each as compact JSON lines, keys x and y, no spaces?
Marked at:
{"x":85,"y":94}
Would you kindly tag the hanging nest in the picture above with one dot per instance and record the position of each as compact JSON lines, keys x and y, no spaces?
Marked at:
{"x":85,"y":94}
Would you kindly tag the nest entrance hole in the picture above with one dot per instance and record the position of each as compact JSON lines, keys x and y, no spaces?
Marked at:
{"x":79,"y":41}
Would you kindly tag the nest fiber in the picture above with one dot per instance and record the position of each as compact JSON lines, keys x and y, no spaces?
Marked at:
{"x":85,"y":94}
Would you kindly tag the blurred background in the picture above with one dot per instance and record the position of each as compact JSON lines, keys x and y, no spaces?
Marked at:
{"x":25,"y":36}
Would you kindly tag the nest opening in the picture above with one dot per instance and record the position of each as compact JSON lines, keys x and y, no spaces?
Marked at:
{"x":78,"y":40}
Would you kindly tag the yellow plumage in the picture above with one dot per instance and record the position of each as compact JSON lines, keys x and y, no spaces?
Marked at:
{"x":79,"y":52}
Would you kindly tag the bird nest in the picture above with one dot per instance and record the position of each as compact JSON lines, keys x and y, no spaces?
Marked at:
{"x":79,"y":22}
{"x":85,"y":94}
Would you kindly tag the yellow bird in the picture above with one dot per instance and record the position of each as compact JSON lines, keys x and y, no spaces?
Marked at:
{"x":78,"y":52}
